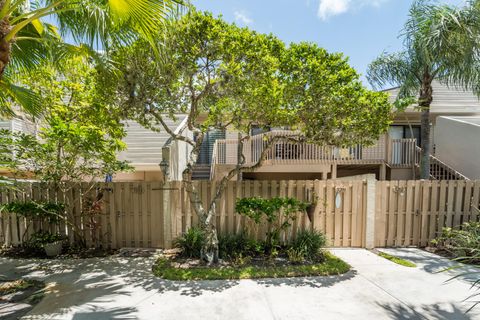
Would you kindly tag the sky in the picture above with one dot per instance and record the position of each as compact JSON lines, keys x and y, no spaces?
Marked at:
{"x":361,"y":29}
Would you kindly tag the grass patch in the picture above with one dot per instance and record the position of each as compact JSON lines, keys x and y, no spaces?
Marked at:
{"x":397,"y":260}
{"x":330,"y":266}
{"x":16,"y":285}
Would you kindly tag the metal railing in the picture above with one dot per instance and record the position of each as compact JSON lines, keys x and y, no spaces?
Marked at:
{"x":439,"y":170}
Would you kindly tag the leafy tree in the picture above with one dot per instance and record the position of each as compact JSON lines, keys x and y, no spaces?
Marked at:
{"x":25,"y":38}
{"x":440,"y":43}
{"x":78,"y":141}
{"x":226,"y":77}
{"x":80,"y":134}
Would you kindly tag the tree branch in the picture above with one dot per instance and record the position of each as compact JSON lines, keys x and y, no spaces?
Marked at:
{"x":171,"y":133}
{"x":239,"y":168}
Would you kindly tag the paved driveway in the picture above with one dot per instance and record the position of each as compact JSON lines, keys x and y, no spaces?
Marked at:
{"x":123,"y":288}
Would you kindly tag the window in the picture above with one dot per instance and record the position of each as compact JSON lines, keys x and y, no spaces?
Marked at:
{"x":404,"y":132}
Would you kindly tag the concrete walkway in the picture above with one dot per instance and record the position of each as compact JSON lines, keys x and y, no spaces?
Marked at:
{"x":123,"y":288}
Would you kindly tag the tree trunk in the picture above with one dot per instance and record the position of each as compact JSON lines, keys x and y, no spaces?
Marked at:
{"x":206,"y":217}
{"x":210,"y":248}
{"x":426,"y":98}
{"x":5,"y":46}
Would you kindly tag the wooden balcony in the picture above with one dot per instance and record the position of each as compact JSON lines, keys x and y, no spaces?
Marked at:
{"x":399,"y":153}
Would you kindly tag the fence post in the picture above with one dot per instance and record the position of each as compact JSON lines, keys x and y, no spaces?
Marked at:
{"x":167,"y":215}
{"x":370,"y":212}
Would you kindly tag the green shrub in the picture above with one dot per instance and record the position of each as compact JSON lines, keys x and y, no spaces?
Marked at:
{"x":191,"y":242}
{"x":34,"y":245}
{"x":310,"y":243}
{"x":295,"y":255}
{"x":50,"y":211}
{"x":238,"y":245}
{"x":462,"y":243}
{"x":278,"y":212}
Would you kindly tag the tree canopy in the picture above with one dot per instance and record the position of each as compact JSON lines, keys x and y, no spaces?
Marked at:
{"x":225,"y":76}
{"x":229,"y":78}
{"x":79,"y":135}
{"x":26,"y":38}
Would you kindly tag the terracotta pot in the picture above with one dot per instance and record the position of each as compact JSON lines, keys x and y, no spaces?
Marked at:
{"x":53,"y":249}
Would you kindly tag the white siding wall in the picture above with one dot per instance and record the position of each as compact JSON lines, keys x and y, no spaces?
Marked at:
{"x":457,"y":141}
{"x":179,"y":153}
{"x":144,"y":146}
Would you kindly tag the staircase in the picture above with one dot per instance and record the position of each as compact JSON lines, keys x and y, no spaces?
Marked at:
{"x":440,"y":170}
{"x":201,"y":172}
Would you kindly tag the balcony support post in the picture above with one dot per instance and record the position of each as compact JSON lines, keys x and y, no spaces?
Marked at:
{"x":334,"y":171}
{"x":383,"y":172}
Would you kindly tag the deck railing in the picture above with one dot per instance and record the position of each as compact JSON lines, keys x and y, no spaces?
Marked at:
{"x":397,"y":152}
{"x":402,"y":153}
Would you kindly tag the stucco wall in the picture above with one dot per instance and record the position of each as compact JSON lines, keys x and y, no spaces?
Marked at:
{"x":457,"y":142}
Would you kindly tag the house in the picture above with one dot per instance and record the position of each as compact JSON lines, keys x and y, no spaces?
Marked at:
{"x":395,"y":156}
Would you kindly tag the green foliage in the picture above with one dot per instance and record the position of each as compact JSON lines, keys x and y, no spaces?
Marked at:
{"x":89,"y":23}
{"x":238,"y":245}
{"x":34,"y":244}
{"x":330,"y":266}
{"x":80,"y":134}
{"x":309,"y":243}
{"x":191,"y":243}
{"x":50,"y":211}
{"x":295,"y":256}
{"x":462,"y":243}
{"x":279,"y":212}
{"x":397,"y":260}
{"x":230,"y":75}
{"x":43,"y":237}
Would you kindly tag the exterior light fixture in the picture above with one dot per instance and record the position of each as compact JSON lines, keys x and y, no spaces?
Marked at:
{"x":164,"y":168}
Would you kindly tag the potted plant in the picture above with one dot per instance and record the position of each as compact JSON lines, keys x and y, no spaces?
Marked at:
{"x":53,"y":249}
{"x":51,"y":243}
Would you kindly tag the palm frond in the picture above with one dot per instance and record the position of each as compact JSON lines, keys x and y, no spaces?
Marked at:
{"x":12,"y":96}
{"x":394,"y":69}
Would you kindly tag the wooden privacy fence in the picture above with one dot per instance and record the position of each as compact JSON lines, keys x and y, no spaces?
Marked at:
{"x":411,"y":213}
{"x":350,"y":213}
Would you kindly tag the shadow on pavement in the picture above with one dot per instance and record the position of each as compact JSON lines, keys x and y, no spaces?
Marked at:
{"x":73,"y":283}
{"x":439,"y":312}
{"x":313,"y":282}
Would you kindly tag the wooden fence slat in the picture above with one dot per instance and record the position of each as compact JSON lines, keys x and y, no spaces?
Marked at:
{"x":416,"y":216}
{"x":457,"y":218}
{"x":467,"y":201}
{"x":392,"y":221}
{"x":400,"y":234}
{"x":450,"y":202}
{"x":442,"y":206}
{"x":409,"y":213}
{"x":424,"y":212}
{"x":329,"y":215}
{"x":433,"y":212}
{"x":347,"y":216}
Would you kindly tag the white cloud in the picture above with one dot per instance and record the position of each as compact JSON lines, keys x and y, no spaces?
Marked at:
{"x":329,"y":8}
{"x":243,"y":18}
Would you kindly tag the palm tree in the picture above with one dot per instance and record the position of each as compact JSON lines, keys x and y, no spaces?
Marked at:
{"x":24,"y":37}
{"x":440,"y":43}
